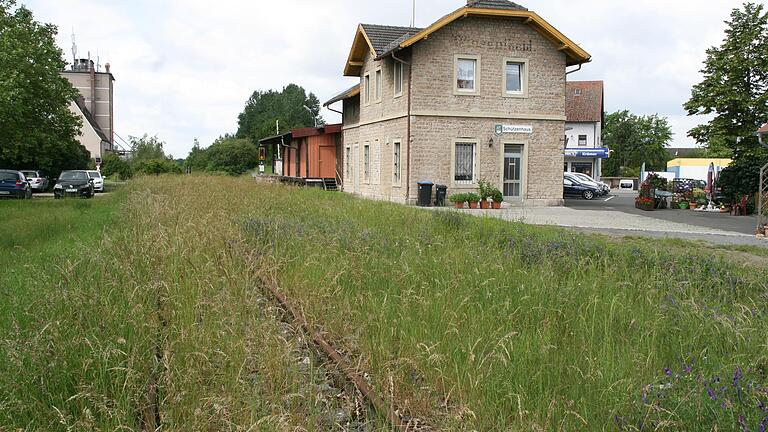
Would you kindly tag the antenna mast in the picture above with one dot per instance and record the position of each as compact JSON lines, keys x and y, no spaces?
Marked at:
{"x":413,"y":16}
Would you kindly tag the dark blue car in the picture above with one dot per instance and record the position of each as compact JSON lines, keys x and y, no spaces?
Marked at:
{"x":572,"y":187}
{"x":13,"y":184}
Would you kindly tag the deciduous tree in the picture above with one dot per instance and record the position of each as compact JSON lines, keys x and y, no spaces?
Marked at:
{"x":635,"y":140}
{"x":37,"y":129}
{"x":735,"y":85}
{"x":263,"y":109}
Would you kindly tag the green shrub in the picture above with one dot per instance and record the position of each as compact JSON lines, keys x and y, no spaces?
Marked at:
{"x":473,"y":197}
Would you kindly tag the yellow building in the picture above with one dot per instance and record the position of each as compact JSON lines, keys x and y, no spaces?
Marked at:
{"x":696,"y":168}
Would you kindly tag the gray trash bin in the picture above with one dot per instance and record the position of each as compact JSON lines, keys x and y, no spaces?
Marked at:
{"x":441,"y":191}
{"x":425,"y":194}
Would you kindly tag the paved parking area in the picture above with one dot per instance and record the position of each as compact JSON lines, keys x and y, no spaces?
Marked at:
{"x":616,"y":215}
{"x":624,"y":202}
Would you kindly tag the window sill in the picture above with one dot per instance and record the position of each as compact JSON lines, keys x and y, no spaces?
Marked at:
{"x":521,"y":95}
{"x":458,"y":92}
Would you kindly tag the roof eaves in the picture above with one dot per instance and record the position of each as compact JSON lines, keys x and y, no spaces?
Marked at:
{"x":346,"y":94}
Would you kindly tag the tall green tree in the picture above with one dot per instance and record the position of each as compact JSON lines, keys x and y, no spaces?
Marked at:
{"x":37,"y":128}
{"x":735,"y":85}
{"x":147,"y":148}
{"x":635,"y":140}
{"x":263,"y":109}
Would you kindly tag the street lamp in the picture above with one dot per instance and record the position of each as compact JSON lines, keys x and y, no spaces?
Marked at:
{"x":314,"y":117}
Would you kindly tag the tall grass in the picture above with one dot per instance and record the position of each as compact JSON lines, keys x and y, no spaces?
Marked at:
{"x":143,"y":310}
{"x":470,"y":324}
{"x":480,"y":324}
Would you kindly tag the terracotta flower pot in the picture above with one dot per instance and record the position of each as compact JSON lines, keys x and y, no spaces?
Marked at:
{"x":485,"y":205}
{"x":692,"y":205}
{"x":459,"y":205}
{"x":496,"y":205}
{"x":473,"y":205}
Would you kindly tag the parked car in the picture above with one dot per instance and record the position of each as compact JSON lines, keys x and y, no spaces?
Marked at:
{"x":73,"y":183}
{"x":13,"y":184}
{"x":36,"y":180}
{"x":604,"y":188}
{"x":98,"y":181}
{"x":572,"y":187}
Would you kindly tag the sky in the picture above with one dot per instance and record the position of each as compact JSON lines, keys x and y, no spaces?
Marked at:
{"x":185,"y":68}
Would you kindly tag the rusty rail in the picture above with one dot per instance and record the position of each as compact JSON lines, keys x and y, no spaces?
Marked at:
{"x":370,"y":394}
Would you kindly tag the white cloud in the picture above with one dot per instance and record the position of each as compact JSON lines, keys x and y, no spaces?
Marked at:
{"x":185,"y":68}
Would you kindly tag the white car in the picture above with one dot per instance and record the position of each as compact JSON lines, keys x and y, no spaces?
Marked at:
{"x":98,"y":181}
{"x":604,"y":188}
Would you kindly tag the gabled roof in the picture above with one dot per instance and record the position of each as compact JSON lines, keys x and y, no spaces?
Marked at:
{"x":383,"y":40}
{"x":91,"y":120}
{"x":346,"y":94}
{"x":496,"y":4}
{"x":376,"y":39}
{"x":764,"y":129}
{"x":584,"y":101}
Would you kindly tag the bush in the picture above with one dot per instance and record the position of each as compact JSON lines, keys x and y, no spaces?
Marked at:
{"x":156,"y":166}
{"x":113,"y":164}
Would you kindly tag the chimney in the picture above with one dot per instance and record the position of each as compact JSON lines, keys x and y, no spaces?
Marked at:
{"x":106,"y":67}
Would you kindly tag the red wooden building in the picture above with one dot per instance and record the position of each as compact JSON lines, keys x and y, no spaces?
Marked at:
{"x":308,"y":155}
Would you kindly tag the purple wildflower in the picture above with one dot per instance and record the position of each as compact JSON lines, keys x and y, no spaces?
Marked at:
{"x":711,"y":393}
{"x":737,"y":376}
{"x":761,"y":405}
{"x":742,"y":423}
{"x":763,"y":424}
{"x":668,"y":371}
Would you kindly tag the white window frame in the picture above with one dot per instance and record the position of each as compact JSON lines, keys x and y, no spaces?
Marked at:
{"x":456,"y":89}
{"x":523,"y":93}
{"x":367,"y":89}
{"x":464,"y":183}
{"x":397,"y":80}
{"x":578,"y":140}
{"x":367,"y":162}
{"x":378,"y":84}
{"x":347,"y":163}
{"x":397,"y":162}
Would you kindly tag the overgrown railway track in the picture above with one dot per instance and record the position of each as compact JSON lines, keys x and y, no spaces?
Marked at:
{"x":386,"y":409}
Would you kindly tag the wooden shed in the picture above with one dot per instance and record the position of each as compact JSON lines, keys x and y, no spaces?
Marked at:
{"x":311,"y":155}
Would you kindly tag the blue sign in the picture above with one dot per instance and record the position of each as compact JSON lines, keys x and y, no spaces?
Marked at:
{"x":602,"y":153}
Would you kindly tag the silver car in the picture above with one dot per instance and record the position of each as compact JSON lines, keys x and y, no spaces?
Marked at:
{"x":36,"y":180}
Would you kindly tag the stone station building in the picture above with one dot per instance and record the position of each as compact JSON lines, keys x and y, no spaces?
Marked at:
{"x":479,"y":94}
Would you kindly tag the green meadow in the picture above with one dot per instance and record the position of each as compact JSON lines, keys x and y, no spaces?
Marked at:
{"x":143,"y":309}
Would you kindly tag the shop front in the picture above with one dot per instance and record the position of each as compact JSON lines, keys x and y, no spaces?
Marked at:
{"x":585,"y":161}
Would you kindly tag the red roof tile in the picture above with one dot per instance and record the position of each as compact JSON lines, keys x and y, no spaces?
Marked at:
{"x":584,"y":101}
{"x":764,"y":129}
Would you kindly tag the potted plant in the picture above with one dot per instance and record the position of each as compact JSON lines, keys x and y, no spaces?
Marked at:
{"x":498,"y":198}
{"x":473,"y":199}
{"x":682,"y":205}
{"x":644,"y":203}
{"x":458,"y":200}
{"x":692,"y":204}
{"x":485,"y":188}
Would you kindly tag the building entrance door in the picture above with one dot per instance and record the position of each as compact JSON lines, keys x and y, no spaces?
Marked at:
{"x":327,"y":162}
{"x":513,"y":171}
